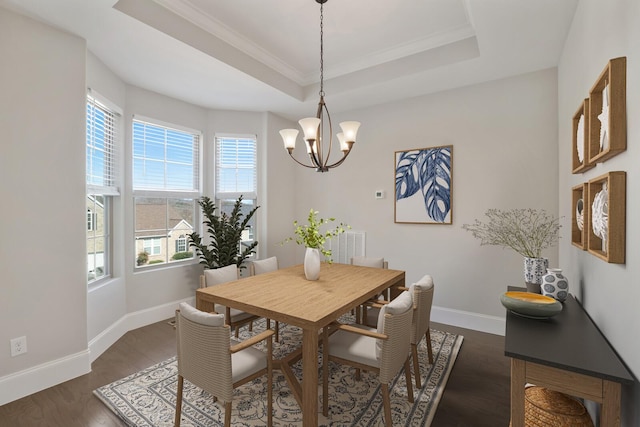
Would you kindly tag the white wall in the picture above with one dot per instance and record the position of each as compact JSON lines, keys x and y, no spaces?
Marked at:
{"x":610,"y":293}
{"x":42,"y":128}
{"x":504,"y":137}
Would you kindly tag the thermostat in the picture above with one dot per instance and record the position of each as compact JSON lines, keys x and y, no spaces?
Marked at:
{"x":379,"y":194}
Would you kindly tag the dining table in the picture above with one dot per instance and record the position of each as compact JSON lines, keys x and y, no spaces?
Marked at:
{"x":286,"y":296}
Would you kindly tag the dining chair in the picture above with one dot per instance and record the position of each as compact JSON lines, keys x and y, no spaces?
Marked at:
{"x":375,"y":262}
{"x":210,"y":360}
{"x":384,"y":350}
{"x":422,"y":294}
{"x":235,"y":318}
{"x":260,"y":266}
{"x":265,"y":265}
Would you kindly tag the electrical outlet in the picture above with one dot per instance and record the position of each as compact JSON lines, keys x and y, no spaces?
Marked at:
{"x":18,"y":346}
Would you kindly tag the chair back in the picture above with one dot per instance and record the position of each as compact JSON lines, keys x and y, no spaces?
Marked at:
{"x":203,"y":354}
{"x":266,"y":265}
{"x":422,"y":292}
{"x":365,"y":261}
{"x":394,"y":321}
{"x":217,"y":276}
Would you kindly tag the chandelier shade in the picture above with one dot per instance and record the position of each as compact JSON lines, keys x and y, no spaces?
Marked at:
{"x":314,"y":128}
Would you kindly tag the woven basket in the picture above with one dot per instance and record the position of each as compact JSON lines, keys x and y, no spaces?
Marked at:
{"x":548,"y":408}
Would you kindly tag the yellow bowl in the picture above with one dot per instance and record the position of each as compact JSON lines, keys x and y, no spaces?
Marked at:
{"x":530,"y":305}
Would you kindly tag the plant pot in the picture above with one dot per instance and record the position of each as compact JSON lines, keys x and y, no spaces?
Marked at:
{"x":534,"y":269}
{"x":312,"y":264}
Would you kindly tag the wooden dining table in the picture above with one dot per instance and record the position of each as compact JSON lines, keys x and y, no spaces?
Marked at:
{"x":285,"y":295}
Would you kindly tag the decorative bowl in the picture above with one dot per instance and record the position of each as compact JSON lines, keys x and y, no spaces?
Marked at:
{"x":531,"y":305}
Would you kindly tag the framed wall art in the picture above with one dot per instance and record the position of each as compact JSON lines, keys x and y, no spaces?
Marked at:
{"x":581,"y":139}
{"x":608,"y":112}
{"x":423,"y":190}
{"x":580,"y":210}
{"x":608,"y":214}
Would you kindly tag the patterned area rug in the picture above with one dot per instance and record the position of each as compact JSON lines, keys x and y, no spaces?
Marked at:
{"x":147,"y":398}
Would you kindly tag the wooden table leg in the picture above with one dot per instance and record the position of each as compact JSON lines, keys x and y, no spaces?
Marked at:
{"x":610,"y":415}
{"x":202,"y":305}
{"x":309,"y":378}
{"x":518,"y":372}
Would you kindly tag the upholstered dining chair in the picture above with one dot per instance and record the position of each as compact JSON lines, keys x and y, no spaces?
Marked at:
{"x":260,"y":266}
{"x":210,"y":360}
{"x":265,"y":265}
{"x":422,"y":293}
{"x":216,"y":276}
{"x":384,"y":350}
{"x":375,"y":262}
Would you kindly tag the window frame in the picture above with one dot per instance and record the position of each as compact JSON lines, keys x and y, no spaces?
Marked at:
{"x":223,"y":198}
{"x":104,"y":138}
{"x":170,"y":195}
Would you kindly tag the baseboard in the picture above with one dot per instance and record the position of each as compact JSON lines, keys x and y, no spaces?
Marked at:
{"x":20,"y":384}
{"x":32,"y":380}
{"x":132,"y":321}
{"x":466,"y":319}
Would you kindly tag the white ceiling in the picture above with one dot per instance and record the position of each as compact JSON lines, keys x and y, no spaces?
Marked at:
{"x":259,"y":55}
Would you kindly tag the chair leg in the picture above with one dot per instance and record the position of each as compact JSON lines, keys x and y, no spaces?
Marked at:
{"x":407,"y":373}
{"x":179,"y":400}
{"x":270,"y":382}
{"x":227,"y":414}
{"x":416,"y":364}
{"x":277,"y":331}
{"x":429,"y":349}
{"x":325,"y":371}
{"x":387,"y":405}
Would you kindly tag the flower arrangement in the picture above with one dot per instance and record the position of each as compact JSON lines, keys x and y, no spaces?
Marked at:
{"x":526,"y":231}
{"x":311,"y":236}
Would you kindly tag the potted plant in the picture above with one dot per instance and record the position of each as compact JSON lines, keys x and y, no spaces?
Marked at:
{"x":526,"y":231}
{"x":313,"y":238}
{"x":225,"y":234}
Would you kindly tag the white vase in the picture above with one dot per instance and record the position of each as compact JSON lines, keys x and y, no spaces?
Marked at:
{"x":534,"y":269}
{"x":312,"y":264}
{"x":554,"y":284}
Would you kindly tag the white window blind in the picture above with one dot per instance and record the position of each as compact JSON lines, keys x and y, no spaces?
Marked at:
{"x":165,"y":158}
{"x":102,"y":158}
{"x":236,"y":162}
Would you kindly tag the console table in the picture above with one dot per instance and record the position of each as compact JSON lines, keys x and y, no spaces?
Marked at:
{"x":566,"y":353}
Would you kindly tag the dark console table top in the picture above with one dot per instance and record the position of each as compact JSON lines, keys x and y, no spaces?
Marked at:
{"x":569,"y":340}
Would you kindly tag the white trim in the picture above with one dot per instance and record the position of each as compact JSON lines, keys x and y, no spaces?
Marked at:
{"x":32,"y":380}
{"x":466,"y":319}
{"x":105,"y":101}
{"x":173,"y":126}
{"x":131,"y":321}
{"x":20,"y":384}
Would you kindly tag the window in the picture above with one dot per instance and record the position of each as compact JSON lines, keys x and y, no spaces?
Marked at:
{"x":92,"y":220}
{"x":181,"y":244}
{"x":236,"y":175}
{"x":166,"y":186}
{"x":101,"y":164}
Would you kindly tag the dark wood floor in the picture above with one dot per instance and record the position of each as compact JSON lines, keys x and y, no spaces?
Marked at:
{"x":476,"y":395}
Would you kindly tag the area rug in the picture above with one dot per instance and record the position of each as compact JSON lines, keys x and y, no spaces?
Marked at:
{"x":147,"y":398}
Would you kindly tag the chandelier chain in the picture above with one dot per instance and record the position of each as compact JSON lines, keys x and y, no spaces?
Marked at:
{"x":321,"y":49}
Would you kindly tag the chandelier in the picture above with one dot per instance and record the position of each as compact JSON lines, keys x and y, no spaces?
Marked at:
{"x":319,"y":147}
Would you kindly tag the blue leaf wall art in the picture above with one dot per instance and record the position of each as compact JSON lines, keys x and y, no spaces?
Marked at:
{"x":423,"y":185}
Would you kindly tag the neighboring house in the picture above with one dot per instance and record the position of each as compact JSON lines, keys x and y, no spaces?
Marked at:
{"x":161,"y":230}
